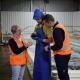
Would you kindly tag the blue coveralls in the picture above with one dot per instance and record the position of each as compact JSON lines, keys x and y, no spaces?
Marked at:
{"x":42,"y":61}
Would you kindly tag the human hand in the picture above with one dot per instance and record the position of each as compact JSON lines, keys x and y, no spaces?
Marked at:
{"x":28,"y":44}
{"x":44,"y":40}
{"x":46,"y":48}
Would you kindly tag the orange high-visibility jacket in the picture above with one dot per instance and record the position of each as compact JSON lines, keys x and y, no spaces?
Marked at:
{"x":66,"y":48}
{"x":21,"y":58}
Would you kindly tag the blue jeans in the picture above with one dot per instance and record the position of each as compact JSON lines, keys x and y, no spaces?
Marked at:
{"x":18,"y":72}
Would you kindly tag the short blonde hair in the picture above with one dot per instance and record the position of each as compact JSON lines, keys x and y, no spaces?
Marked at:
{"x":14,"y":28}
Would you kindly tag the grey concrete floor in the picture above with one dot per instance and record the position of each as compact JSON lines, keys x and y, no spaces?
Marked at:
{"x":5,"y":69}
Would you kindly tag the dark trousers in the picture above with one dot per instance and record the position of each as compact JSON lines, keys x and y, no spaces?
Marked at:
{"x":62,"y":66}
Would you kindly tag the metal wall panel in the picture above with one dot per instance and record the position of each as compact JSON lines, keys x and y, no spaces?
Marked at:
{"x":25,"y":19}
{"x":53,"y":5}
{"x":76,"y":21}
{"x":15,"y":5}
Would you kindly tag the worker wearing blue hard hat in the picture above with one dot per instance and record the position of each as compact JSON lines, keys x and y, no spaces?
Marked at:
{"x":42,"y":61}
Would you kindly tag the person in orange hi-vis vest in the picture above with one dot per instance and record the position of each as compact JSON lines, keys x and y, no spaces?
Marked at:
{"x":61,"y":46}
{"x":18,"y":53}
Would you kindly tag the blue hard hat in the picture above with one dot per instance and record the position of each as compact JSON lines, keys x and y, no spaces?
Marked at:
{"x":37,"y":14}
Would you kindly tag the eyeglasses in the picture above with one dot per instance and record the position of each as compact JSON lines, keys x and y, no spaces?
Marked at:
{"x":19,"y":30}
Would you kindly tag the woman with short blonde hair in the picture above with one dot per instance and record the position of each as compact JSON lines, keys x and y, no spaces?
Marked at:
{"x":18,"y":53}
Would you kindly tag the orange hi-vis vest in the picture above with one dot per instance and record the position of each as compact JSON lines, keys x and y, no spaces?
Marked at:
{"x":66,"y":48}
{"x":21,"y":58}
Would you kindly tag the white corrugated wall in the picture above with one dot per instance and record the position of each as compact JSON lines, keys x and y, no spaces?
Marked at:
{"x":76,"y":21}
{"x":25,"y":19}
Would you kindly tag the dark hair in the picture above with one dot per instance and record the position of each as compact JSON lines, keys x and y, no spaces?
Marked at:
{"x":14,"y":28}
{"x":48,"y":17}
